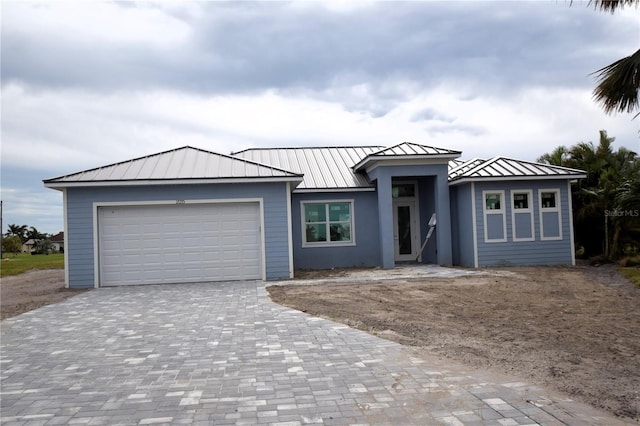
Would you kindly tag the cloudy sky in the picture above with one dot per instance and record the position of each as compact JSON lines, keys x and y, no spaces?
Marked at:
{"x":87,"y":83}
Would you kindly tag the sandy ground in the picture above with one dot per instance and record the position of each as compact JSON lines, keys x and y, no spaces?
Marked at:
{"x":575,"y":329}
{"x":28,"y":291}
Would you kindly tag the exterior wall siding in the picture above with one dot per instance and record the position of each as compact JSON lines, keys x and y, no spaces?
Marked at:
{"x":80,"y":250}
{"x":510,"y":252}
{"x":462,"y":218}
{"x":364,"y":253}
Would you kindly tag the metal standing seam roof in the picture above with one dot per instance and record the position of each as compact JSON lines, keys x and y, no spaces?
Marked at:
{"x":508,"y":168}
{"x":327,"y":168}
{"x":411,"y":149}
{"x":463,"y":167}
{"x":455,"y":163}
{"x":407,"y":150}
{"x":181,"y":164}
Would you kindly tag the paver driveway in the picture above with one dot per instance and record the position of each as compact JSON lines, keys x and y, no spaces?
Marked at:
{"x":224,"y":354}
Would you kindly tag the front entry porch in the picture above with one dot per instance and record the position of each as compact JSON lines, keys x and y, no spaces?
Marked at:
{"x":407,"y":197}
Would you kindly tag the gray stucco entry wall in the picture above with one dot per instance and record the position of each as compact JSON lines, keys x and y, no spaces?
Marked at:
{"x":384,"y":175}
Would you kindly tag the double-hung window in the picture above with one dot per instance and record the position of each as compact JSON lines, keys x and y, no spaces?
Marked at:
{"x":495,"y":225}
{"x":327,"y":223}
{"x":522,"y":215}
{"x":550,"y":214}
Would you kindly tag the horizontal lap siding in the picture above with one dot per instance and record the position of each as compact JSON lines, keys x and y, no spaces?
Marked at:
{"x":276,"y":234}
{"x":462,"y":225}
{"x":79,"y":250}
{"x":80,"y":201}
{"x":538,"y":252}
{"x":364,"y":253}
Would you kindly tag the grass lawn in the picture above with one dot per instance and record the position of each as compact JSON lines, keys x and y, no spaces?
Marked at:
{"x":632,"y":272}
{"x":25,"y":262}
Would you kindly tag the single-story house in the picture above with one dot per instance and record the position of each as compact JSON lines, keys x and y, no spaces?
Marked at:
{"x":191,"y":215}
{"x":29,"y":246}
{"x":57,"y":242}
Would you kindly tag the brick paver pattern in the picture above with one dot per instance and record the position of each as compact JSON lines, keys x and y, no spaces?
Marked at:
{"x":223,"y":353}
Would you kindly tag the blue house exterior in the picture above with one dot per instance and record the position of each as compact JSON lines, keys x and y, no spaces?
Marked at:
{"x":512,"y":212}
{"x":190,"y":215}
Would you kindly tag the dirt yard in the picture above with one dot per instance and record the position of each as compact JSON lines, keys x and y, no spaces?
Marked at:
{"x":573,"y":329}
{"x":28,"y":291}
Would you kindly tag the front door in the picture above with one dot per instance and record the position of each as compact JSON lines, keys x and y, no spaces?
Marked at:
{"x":405,"y":231}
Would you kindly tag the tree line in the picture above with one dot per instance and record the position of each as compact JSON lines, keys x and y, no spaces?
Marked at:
{"x":606,"y":204}
{"x":17,"y":235}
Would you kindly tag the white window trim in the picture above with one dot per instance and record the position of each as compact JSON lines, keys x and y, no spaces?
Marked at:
{"x":501,"y":211}
{"x":316,"y":244}
{"x":528,"y":210}
{"x":556,"y":209}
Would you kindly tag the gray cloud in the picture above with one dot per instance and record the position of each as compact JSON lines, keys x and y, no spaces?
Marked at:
{"x":89,"y":83}
{"x":246,"y":47}
{"x":431,"y":114}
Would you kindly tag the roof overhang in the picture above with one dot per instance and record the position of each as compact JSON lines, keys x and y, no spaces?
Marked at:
{"x":53,"y":184}
{"x":318,"y":190}
{"x":372,"y":161}
{"x":516,"y":178}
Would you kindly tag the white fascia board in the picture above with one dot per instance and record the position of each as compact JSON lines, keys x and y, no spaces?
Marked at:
{"x":516,"y":178}
{"x":150,"y":182}
{"x":404,"y":160}
{"x":411,"y":161}
{"x":317,"y":190}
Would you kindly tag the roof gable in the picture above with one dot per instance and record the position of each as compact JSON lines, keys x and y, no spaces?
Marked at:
{"x":412,"y":149}
{"x":182,"y":164}
{"x":407,"y":151}
{"x":499,"y":168}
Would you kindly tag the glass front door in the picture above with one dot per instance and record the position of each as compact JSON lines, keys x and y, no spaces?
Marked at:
{"x":405,"y":230}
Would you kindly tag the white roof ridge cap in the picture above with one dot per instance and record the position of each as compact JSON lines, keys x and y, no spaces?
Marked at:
{"x":460,"y":166}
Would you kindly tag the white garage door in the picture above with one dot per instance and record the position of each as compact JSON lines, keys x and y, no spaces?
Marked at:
{"x":154,"y":244}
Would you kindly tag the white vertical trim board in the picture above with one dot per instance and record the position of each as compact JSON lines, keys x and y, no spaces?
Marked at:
{"x":573,"y":244}
{"x":263,"y":254}
{"x":290,"y":229}
{"x":65,"y":226}
{"x":474,"y":224}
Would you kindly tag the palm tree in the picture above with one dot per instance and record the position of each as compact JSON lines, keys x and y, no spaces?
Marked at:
{"x":618,"y":83}
{"x":612,"y":178}
{"x":18,"y":230}
{"x":34,"y":234}
{"x":627,"y":202}
{"x":557,"y":157}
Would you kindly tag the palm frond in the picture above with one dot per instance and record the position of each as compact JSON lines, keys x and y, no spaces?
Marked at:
{"x":612,"y":5}
{"x":618,"y":84}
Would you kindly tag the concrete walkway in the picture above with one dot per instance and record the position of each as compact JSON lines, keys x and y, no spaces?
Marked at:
{"x":224,"y":354}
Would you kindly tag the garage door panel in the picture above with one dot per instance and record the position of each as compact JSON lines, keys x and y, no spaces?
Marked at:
{"x":179,"y":243}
